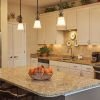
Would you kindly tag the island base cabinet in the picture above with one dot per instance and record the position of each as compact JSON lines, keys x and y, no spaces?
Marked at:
{"x":93,"y":94}
{"x":50,"y":98}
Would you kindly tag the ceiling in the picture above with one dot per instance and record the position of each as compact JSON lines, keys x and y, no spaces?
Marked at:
{"x":42,"y":3}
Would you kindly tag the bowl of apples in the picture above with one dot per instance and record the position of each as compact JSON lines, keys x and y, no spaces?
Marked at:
{"x":41,"y":73}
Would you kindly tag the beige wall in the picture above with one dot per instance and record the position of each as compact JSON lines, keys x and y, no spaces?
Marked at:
{"x":4,"y":33}
{"x":28,"y":14}
{"x":85,"y":51}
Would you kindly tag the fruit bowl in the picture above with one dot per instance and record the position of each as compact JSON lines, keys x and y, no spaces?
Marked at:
{"x":41,"y":73}
{"x":39,"y":76}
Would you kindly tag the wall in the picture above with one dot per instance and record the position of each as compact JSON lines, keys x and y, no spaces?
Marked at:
{"x":85,"y":50}
{"x":4,"y":34}
{"x":28,"y":14}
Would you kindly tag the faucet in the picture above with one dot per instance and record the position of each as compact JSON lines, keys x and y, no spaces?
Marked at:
{"x":71,"y":52}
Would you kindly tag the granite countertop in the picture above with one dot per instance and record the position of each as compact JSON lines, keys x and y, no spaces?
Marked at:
{"x":60,"y":83}
{"x":84,"y":61}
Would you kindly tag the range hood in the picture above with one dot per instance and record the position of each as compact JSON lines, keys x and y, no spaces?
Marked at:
{"x":61,"y":28}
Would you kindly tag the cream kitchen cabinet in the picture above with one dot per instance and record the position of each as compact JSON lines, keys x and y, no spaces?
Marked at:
{"x":16,"y":46}
{"x":75,"y":69}
{"x":48,"y":34}
{"x":41,"y":32}
{"x":83,"y":25}
{"x":87,"y":71}
{"x":95,"y":24}
{"x":50,"y":28}
{"x":60,"y":66}
{"x":34,"y":62}
{"x":70,"y":18}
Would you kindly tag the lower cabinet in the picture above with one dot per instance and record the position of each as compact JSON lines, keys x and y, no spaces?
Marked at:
{"x":87,"y":71}
{"x":34,"y":62}
{"x":76,"y":69}
{"x":92,"y":94}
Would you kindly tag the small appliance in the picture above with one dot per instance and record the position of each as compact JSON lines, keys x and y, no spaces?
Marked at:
{"x":95,"y":57}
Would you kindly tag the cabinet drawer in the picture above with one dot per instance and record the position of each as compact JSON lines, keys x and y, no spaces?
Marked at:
{"x":87,"y":74}
{"x":62,"y":69}
{"x":34,"y":62}
{"x":74,"y":72}
{"x":53,"y":63}
{"x":63,"y":64}
{"x":87,"y":68}
{"x":34,"y":59}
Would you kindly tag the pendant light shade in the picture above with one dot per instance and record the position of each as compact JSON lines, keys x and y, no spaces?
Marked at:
{"x":20,"y":24}
{"x":37,"y":23}
{"x":61,"y":19}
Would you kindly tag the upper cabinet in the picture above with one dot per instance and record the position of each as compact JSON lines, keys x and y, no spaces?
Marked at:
{"x":70,"y":18}
{"x":50,"y":28}
{"x":48,"y":34}
{"x":41,"y":32}
{"x":95,"y":24}
{"x":85,"y":19}
{"x":83,"y":26}
{"x":88,"y":24}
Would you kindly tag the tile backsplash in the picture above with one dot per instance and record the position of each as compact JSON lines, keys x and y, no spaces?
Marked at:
{"x":84,"y":50}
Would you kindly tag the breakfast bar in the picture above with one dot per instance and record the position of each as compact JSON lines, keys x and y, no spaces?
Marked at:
{"x":61,"y":86}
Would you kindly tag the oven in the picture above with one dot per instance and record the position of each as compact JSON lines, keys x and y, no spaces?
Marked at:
{"x":97,"y":71}
{"x":43,"y":62}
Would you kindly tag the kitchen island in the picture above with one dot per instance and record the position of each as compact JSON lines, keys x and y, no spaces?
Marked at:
{"x":62,"y":86}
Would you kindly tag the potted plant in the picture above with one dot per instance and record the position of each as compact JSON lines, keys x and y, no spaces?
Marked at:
{"x":44,"y":51}
{"x":84,"y":2}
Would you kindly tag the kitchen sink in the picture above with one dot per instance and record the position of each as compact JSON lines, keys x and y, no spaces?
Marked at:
{"x":68,"y":58}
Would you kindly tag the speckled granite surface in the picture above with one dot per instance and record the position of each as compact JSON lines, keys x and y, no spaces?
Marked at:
{"x":60,"y":83}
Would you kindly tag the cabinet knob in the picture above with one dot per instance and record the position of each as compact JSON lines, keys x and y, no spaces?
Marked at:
{"x":15,"y":56}
{"x":88,"y":42}
{"x":81,"y":74}
{"x":11,"y":57}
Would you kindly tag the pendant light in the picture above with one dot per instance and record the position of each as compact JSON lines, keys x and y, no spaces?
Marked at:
{"x":20,"y":24}
{"x":61,"y":19}
{"x":37,"y":23}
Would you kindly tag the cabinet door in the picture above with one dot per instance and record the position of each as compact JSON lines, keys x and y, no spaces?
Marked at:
{"x":41,"y":32}
{"x":87,"y":68}
{"x":50,"y":28}
{"x":63,"y":66}
{"x":87,"y":71}
{"x":53,"y":64}
{"x":34,"y":62}
{"x":70,"y":17}
{"x":75,"y":69}
{"x":10,"y":46}
{"x":83,"y":26}
{"x":91,"y":94}
{"x":19,"y":46}
{"x":87,"y":74}
{"x":95,"y":24}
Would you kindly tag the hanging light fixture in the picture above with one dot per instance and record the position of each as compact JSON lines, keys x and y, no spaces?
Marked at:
{"x":61,"y":19}
{"x":20,"y":24}
{"x":37,"y":23}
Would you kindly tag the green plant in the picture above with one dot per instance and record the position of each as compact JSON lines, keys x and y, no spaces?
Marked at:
{"x":85,"y":2}
{"x":64,"y":5}
{"x":50,"y":9}
{"x":44,"y":50}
